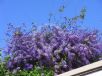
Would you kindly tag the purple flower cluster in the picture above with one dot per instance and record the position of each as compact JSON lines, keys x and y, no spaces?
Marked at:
{"x":54,"y":47}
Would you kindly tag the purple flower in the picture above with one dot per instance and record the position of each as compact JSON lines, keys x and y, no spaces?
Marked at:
{"x":54,"y":47}
{"x":28,"y":66}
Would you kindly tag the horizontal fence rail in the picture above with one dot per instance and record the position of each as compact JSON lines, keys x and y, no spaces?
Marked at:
{"x":87,"y":69}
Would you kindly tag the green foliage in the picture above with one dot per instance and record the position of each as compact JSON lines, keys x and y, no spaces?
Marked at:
{"x":35,"y":72}
{"x":3,"y":69}
{"x":0,"y":55}
{"x":61,"y":9}
{"x":6,"y":58}
{"x":82,"y":13}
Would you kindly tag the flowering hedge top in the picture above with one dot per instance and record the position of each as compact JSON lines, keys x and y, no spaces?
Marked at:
{"x":55,"y":48}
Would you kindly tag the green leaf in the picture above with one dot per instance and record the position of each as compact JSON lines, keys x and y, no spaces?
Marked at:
{"x":61,"y":9}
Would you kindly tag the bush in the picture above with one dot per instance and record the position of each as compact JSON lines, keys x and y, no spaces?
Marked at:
{"x":36,"y":71}
{"x":53,"y":47}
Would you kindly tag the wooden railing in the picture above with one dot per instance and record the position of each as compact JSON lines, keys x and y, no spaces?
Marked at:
{"x":87,"y":69}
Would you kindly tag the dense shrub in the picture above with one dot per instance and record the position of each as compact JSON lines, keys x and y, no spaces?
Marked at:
{"x":36,"y":71}
{"x":53,"y":47}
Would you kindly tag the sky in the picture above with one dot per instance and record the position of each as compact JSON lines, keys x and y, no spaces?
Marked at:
{"x":37,"y":11}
